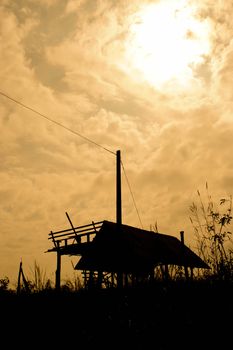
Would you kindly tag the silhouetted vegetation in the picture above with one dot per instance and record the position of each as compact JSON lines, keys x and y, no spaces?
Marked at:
{"x":4,"y":283}
{"x":164,"y":313}
{"x":211,"y":223}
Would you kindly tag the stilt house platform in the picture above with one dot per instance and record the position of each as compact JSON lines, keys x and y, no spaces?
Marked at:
{"x":113,"y":254}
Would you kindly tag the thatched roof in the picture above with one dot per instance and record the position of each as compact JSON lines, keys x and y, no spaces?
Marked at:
{"x":129,"y":249}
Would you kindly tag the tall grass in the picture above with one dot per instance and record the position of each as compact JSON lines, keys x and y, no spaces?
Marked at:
{"x":39,"y":279}
{"x":212,"y":223}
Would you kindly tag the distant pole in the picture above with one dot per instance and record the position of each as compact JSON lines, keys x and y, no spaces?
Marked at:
{"x":19,"y":277}
{"x":25,"y":282}
{"x":118,"y":189}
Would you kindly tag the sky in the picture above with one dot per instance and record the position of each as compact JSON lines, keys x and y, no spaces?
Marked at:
{"x":153,"y":79}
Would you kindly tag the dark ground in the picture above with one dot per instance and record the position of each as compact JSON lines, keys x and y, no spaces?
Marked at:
{"x":178,"y":315}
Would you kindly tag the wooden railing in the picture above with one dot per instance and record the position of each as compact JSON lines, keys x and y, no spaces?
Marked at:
{"x":74,"y":235}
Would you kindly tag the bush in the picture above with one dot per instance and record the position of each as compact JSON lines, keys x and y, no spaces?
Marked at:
{"x":211,"y":226}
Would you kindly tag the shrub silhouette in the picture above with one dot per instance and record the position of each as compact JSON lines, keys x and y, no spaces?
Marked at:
{"x":212,"y":230}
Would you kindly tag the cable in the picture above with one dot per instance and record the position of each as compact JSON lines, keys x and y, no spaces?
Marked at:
{"x":55,"y":122}
{"x":131,"y":192}
{"x":78,"y":134}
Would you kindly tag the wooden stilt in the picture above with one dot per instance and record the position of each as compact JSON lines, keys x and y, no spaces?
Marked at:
{"x":58,"y":271}
{"x":166,"y":272}
{"x":19,"y":278}
{"x":100,"y":278}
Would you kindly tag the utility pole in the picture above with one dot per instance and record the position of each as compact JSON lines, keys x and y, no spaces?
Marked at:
{"x":118,"y":189}
{"x":118,"y":208}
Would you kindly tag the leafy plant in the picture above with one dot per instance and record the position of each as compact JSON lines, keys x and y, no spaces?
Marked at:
{"x":4,"y":283}
{"x":211,"y":225}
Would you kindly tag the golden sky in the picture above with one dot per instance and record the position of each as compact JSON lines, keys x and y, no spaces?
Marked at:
{"x":153,"y":79}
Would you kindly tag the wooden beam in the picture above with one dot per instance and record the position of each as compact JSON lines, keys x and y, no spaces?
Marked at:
{"x":99,"y":223}
{"x":77,"y":237}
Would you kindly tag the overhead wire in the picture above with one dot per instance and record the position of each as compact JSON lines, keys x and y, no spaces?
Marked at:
{"x":56,"y":122}
{"x":132,"y":195}
{"x":80,"y":135}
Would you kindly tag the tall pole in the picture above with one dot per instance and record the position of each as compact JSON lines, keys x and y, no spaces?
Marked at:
{"x":118,"y":208}
{"x":118,"y":189}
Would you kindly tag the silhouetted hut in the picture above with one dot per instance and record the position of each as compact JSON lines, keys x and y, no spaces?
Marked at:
{"x":116,"y":254}
{"x":112,"y":254}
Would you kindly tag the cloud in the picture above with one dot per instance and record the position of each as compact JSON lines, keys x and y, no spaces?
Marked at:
{"x":70,"y":67}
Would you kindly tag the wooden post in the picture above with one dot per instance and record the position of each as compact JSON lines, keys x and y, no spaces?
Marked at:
{"x":85,"y":279}
{"x":100,"y":279}
{"x":185,"y":267}
{"x":166,"y":272}
{"x":58,"y":271}
{"x":19,"y":278}
{"x":91,"y":279}
{"x":191,"y":273}
{"x":25,"y":282}
{"x":152,"y":274}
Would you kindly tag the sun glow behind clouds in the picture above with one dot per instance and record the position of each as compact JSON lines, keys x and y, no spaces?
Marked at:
{"x":167,"y":41}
